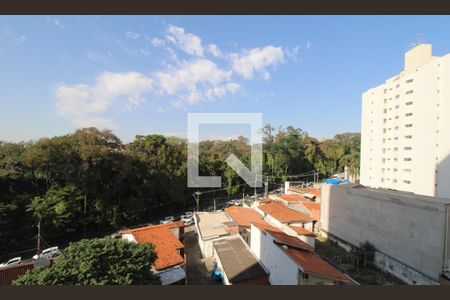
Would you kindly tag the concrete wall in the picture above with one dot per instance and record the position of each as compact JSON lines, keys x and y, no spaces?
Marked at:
{"x":404,"y":226}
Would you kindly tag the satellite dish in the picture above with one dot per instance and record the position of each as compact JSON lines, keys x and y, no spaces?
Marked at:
{"x":41,"y":262}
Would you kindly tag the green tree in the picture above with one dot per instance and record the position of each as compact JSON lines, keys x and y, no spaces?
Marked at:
{"x":103,"y":261}
{"x":60,"y":207}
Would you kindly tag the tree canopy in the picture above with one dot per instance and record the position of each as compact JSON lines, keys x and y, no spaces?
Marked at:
{"x":104,"y":261}
{"x":90,"y":179}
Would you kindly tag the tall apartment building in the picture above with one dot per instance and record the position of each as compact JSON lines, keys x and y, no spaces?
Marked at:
{"x":406,"y":127}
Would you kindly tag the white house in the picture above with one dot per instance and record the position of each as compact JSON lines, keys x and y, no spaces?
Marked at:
{"x":289,"y":260}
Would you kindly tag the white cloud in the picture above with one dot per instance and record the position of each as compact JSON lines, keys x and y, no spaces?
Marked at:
{"x":55,"y":22}
{"x":256,"y":61}
{"x":308,"y":45}
{"x":132,"y":35}
{"x":157,"y":42}
{"x":293,"y":54}
{"x":83,"y":104}
{"x":188,"y":42}
{"x":98,"y":56}
{"x":214,"y":50}
{"x":14,"y":38}
{"x":194,"y":81}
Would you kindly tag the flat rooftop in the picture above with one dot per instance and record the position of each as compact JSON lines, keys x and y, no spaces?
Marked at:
{"x":213,"y":224}
{"x":238,"y":262}
{"x":389,"y":192}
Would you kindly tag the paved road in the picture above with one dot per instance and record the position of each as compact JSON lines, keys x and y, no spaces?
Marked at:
{"x":198,"y":270}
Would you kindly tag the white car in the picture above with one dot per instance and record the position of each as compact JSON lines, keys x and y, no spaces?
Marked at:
{"x":186,"y":215}
{"x":12,"y":262}
{"x":188,"y":221}
{"x":167,"y":220}
{"x":48,"y":253}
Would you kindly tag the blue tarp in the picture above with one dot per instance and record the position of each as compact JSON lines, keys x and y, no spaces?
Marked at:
{"x":335,"y":181}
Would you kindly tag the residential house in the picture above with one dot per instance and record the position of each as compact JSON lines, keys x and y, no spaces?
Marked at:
{"x":212,"y":226}
{"x":168,"y":242}
{"x":237,"y":263}
{"x":291,"y":261}
{"x":278,"y":214}
{"x":243,"y":217}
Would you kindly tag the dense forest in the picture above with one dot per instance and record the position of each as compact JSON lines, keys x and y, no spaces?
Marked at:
{"x":88,"y":180}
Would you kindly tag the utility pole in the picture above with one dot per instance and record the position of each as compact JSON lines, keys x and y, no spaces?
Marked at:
{"x":214,"y":204}
{"x":197,"y":199}
{"x":266,"y":188}
{"x":39,"y":237}
{"x":255,"y":184}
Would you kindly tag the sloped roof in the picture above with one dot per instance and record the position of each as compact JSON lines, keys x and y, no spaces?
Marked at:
{"x":237,"y":261}
{"x":283,"y":213}
{"x":244,"y":216}
{"x":311,"y":263}
{"x":313,"y":207}
{"x":302,"y":231}
{"x":282,"y":238}
{"x":165,"y":242}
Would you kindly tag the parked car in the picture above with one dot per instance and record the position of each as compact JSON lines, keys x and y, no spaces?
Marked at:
{"x":188,"y":221}
{"x":48,"y":253}
{"x":238,"y":202}
{"x":116,"y":235}
{"x":166,"y":220}
{"x":12,"y":262}
{"x":186,"y":215}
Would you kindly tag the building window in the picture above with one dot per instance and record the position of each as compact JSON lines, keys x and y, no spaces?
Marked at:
{"x":408,"y":148}
{"x":407,"y":181}
{"x":407,"y":159}
{"x":394,"y":180}
{"x":409,"y":103}
{"x":409,"y":80}
{"x":407,"y":170}
{"x":408,"y":125}
{"x":408,"y":114}
{"x":409,"y":92}
{"x":408,"y":137}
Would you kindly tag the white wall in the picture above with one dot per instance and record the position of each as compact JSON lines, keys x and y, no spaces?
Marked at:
{"x":385,"y":107}
{"x":282,"y":270}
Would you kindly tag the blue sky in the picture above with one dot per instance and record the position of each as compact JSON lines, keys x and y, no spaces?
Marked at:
{"x":143,"y":74}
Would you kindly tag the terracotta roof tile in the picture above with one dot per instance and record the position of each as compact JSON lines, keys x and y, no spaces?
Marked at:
{"x":314,"y":264}
{"x":244,"y":216}
{"x":165,"y":242}
{"x":313,"y":207}
{"x":284,"y":214}
{"x":283,"y":238}
{"x":302,"y":231}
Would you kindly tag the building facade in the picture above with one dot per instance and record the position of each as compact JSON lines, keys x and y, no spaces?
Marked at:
{"x":410,"y":232}
{"x":405,"y":130}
